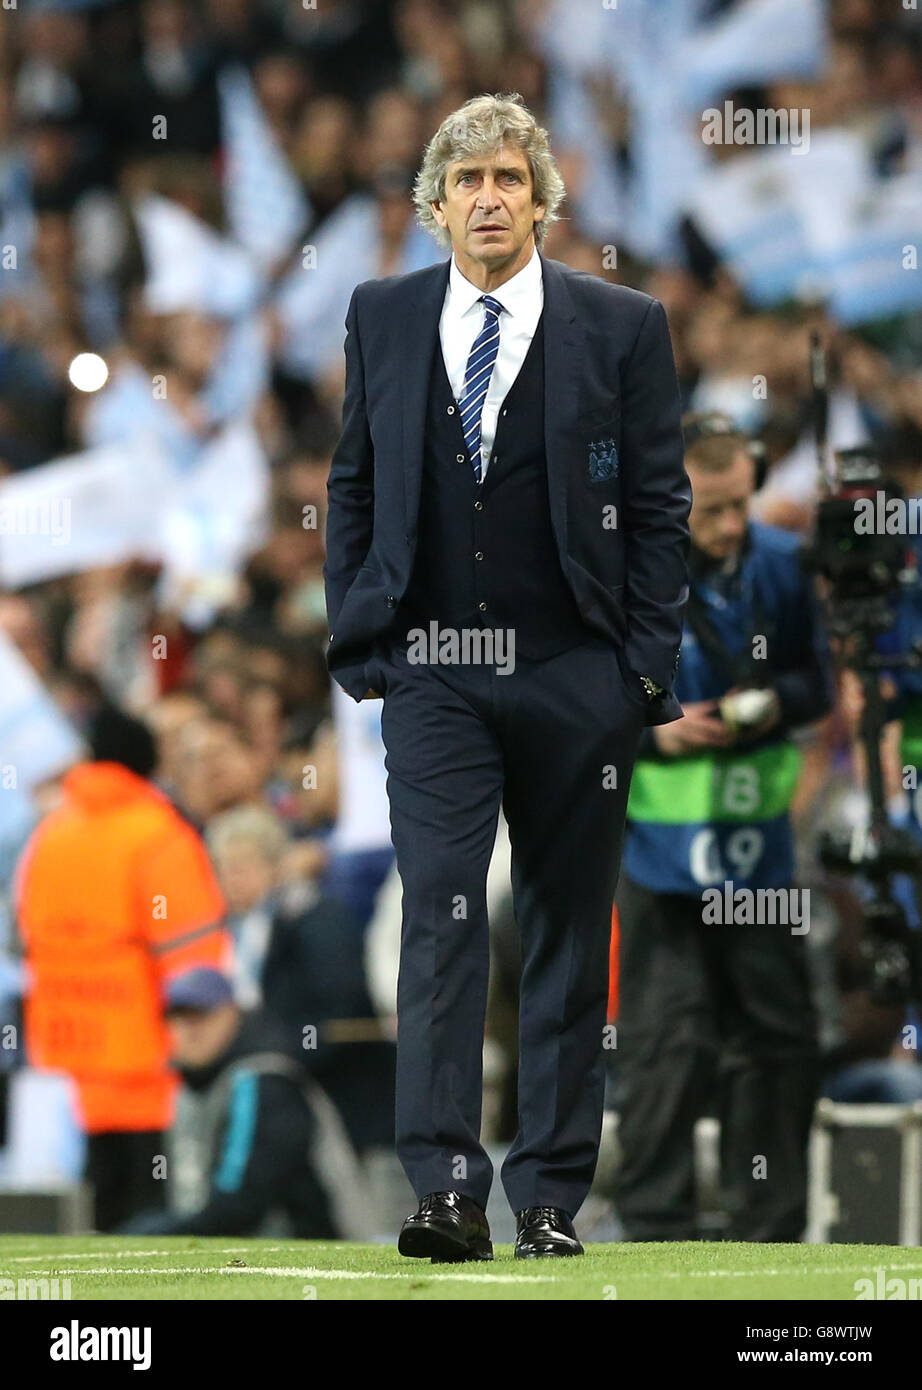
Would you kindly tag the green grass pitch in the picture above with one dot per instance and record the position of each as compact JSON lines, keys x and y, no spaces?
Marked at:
{"x":182,"y":1268}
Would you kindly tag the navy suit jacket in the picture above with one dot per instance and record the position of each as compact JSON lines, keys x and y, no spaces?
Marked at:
{"x":609,"y":376}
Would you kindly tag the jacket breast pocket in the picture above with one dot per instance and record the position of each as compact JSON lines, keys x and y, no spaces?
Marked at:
{"x":600,"y":414}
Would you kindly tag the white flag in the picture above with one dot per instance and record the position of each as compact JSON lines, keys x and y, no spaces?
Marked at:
{"x":190,"y":265}
{"x":216,"y":517}
{"x":97,"y":508}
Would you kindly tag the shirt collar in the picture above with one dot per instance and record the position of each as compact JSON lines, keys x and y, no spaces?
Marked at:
{"x":515,"y":295}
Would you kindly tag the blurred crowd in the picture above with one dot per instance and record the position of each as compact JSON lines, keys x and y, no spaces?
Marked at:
{"x":191,"y":189}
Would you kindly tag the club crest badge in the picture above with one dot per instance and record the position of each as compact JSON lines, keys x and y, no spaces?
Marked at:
{"x":603,"y":461}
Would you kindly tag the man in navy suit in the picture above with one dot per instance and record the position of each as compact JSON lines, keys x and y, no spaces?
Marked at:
{"x":506,"y":563}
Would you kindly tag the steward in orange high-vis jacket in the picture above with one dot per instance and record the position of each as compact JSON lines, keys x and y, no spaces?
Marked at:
{"x":114,"y":894}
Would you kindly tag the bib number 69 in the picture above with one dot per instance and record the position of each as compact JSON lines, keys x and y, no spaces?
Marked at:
{"x":742,"y":850}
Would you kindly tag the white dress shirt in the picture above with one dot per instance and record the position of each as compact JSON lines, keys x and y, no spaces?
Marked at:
{"x":522,"y":298}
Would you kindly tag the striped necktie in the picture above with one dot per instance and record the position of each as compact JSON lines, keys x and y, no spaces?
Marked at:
{"x":477,"y":380}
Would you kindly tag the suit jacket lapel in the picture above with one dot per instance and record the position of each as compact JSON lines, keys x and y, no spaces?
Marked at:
{"x":564,"y":349}
{"x":419,"y":330}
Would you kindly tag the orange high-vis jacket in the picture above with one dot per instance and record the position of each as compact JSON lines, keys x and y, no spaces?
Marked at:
{"x":613,"y":960}
{"x":114,"y":893}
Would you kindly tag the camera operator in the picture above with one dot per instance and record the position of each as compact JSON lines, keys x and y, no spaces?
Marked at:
{"x":720,"y":1013}
{"x":902,"y":688}
{"x":886,"y":971}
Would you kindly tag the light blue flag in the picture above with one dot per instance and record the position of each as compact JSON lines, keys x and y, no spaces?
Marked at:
{"x":241,"y":371}
{"x":265,"y":205}
{"x":875,"y":273}
{"x":755,"y":42}
{"x":313,"y":298}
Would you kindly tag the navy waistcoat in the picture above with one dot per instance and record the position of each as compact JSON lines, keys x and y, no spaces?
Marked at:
{"x":486,"y":554}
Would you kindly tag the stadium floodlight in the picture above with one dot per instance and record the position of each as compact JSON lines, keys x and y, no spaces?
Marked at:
{"x":88,"y":372}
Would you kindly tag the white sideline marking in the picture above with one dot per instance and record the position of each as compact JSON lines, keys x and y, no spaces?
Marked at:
{"x":281,"y":1272}
{"x":757,"y":1273}
{"x":95,"y":1255}
{"x":313,"y":1272}
{"x":115,"y":1255}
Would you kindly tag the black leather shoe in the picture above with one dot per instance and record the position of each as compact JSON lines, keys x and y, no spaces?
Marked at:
{"x":543,"y":1231}
{"x":447,"y":1226}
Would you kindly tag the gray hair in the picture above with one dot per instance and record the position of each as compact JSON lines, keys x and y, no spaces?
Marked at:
{"x":482,"y":126}
{"x":254,"y":825}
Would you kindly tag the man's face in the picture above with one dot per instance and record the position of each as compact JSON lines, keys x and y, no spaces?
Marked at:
{"x":720,"y":504}
{"x":216,"y":769}
{"x":245,"y":874}
{"x":198,"y":1037}
{"x":488,"y":209}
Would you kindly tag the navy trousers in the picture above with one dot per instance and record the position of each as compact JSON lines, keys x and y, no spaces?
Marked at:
{"x":554,"y":743}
